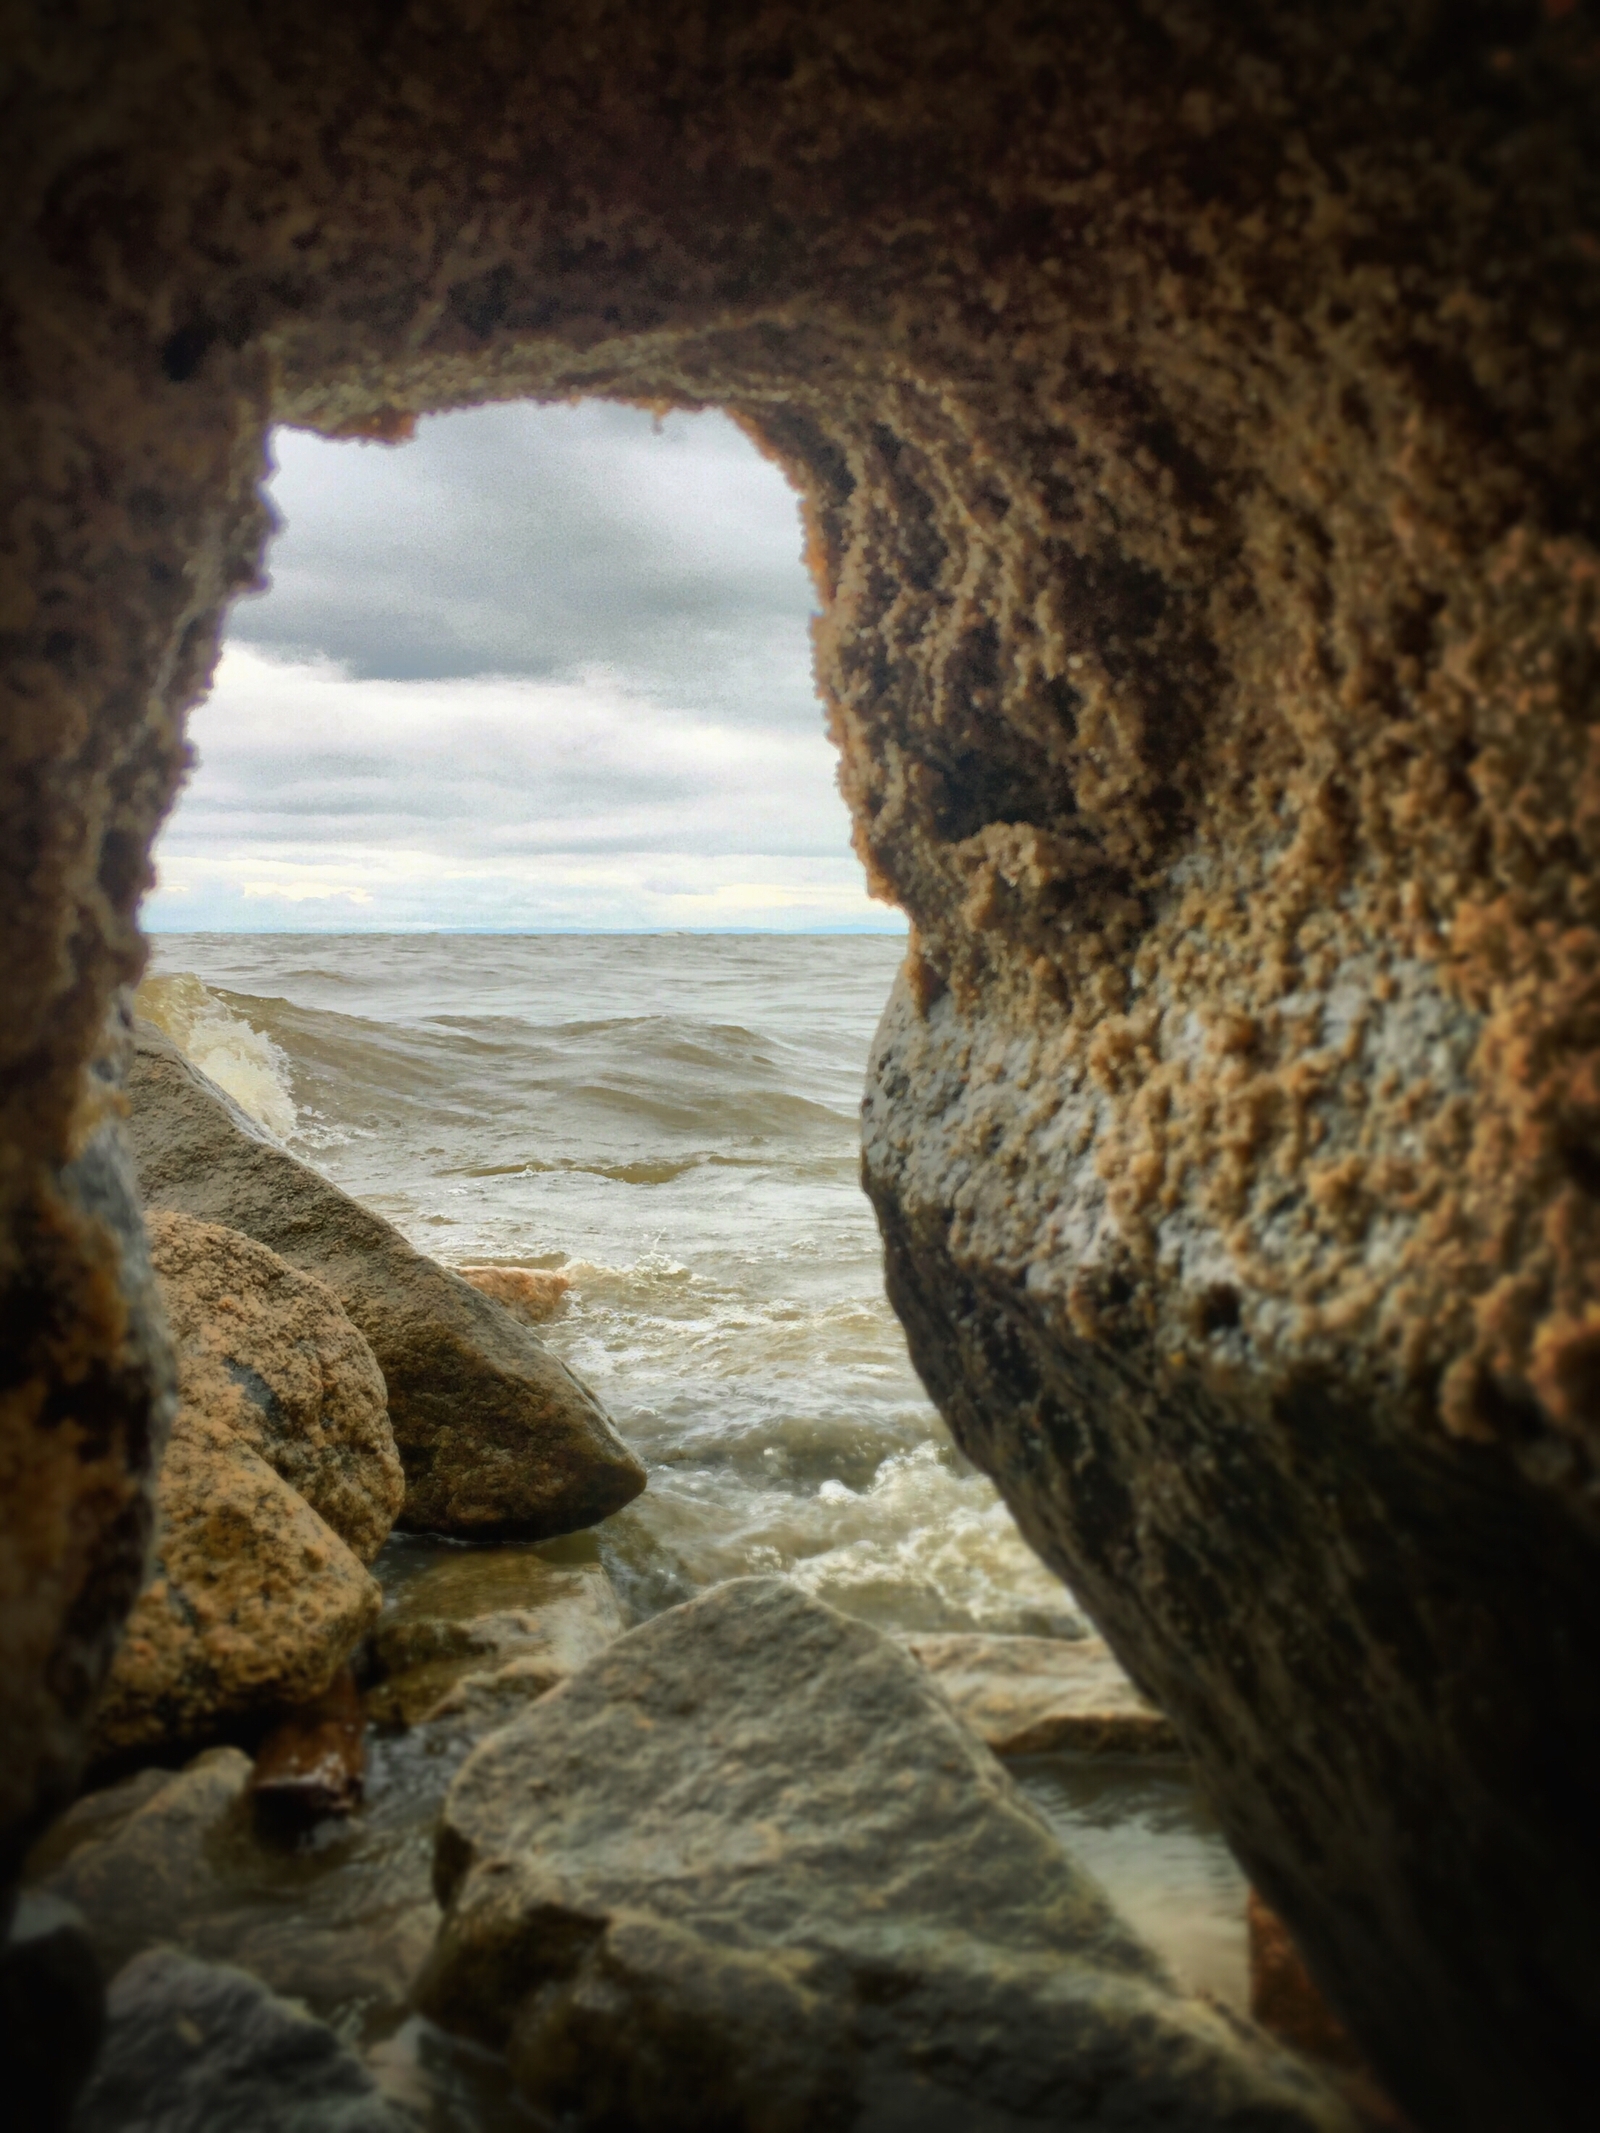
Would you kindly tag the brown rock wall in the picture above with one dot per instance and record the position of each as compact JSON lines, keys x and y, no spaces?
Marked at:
{"x":1194,"y":408}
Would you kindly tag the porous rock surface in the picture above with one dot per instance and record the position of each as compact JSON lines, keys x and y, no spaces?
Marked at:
{"x":195,"y":2047}
{"x":270,"y":1353}
{"x":280,"y":1479}
{"x":1195,"y":410}
{"x":496,"y":1436}
{"x":746,"y":1870}
{"x":1043,"y":1695}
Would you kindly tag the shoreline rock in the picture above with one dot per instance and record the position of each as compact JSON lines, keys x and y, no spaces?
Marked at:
{"x":747,"y":1869}
{"x":196,"y":2047}
{"x":280,"y":1475}
{"x":1044,"y":1695}
{"x":496,"y":1436}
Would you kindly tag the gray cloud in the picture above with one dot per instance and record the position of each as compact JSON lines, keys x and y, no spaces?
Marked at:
{"x":544,"y":541}
{"x":539,"y":667}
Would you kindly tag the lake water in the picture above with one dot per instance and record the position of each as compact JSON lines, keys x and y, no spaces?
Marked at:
{"x":672,"y":1120}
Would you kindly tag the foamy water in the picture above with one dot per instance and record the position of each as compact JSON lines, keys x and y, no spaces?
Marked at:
{"x":672,"y":1120}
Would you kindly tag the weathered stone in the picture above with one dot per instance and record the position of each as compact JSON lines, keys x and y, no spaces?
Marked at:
{"x":80,"y":1445}
{"x":477,"y":1637}
{"x":180,"y":1858}
{"x":1196,"y":412}
{"x":52,"y":2013}
{"x":270,"y":1353}
{"x":495,"y":1434}
{"x":197,"y":2047}
{"x":1038,"y":1695}
{"x":746,"y":1870}
{"x":313,"y":1763}
{"x":149,"y":1875}
{"x":254,"y":1604}
{"x":532,"y":1294}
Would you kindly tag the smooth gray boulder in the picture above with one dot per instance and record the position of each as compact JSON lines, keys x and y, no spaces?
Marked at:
{"x":746,"y":1871}
{"x":202,"y":2048}
{"x":496,"y":1435}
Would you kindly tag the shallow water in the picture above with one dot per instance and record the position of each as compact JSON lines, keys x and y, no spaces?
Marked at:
{"x":673,"y":1121}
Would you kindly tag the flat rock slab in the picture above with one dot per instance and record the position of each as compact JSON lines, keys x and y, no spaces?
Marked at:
{"x":1044,"y":1695}
{"x":196,"y":2047}
{"x":495,"y":1433}
{"x":747,"y":1871}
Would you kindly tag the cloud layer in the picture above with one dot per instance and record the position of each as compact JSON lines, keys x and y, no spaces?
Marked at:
{"x":543,"y":667}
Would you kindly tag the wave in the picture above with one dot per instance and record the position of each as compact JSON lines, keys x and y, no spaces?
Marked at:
{"x":237,"y":1056}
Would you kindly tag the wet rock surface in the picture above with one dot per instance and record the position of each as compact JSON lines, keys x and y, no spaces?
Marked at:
{"x":746,"y":1870}
{"x":476,"y":1636}
{"x":495,"y":1435}
{"x":196,"y":2047}
{"x":531,"y":1294}
{"x":1040,"y":1695}
{"x":314,"y":1762}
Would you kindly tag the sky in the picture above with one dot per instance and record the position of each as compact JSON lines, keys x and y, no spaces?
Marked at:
{"x":541,"y":668}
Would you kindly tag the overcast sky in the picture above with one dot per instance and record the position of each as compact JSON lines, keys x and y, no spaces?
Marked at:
{"x":541,"y":667}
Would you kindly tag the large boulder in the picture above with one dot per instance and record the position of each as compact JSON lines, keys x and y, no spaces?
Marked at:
{"x":196,"y":2047}
{"x":270,"y":1352}
{"x":496,"y":1435}
{"x":281,"y":1478}
{"x":747,"y":1871}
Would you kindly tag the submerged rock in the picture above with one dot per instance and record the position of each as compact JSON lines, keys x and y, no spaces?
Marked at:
{"x":747,"y":1871}
{"x":533,"y":1294}
{"x":1040,"y":1695}
{"x":495,"y":1434}
{"x":477,"y":1637}
{"x":272,"y":1352}
{"x":195,"y":2047}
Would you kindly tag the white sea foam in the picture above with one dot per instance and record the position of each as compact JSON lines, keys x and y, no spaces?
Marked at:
{"x":237,"y":1057}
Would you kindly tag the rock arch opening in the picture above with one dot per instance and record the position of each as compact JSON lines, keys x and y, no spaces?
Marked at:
{"x":1193,"y":410}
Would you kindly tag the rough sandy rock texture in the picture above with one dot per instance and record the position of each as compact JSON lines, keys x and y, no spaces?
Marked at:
{"x":746,"y":1870}
{"x":1042,"y":1695}
{"x":255,"y":1602}
{"x":1195,"y":407}
{"x":495,"y":1434}
{"x":280,"y":1480}
{"x":202,"y":2048}
{"x":270,"y":1352}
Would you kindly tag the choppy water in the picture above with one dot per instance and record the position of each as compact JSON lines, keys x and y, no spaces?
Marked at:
{"x":673,"y":1120}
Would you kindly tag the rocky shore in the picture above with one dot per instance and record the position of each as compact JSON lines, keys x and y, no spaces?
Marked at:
{"x":371,"y":1803}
